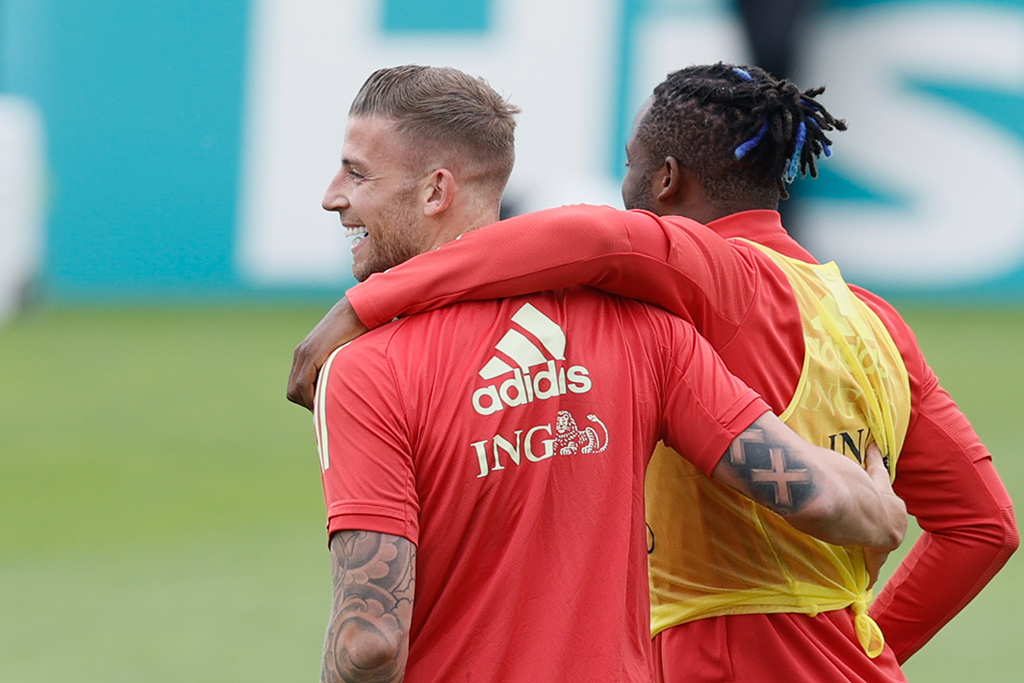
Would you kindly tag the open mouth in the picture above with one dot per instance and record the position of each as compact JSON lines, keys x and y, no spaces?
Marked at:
{"x":359,"y":232}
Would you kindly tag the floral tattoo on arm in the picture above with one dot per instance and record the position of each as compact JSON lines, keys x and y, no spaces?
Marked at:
{"x":374,"y":577}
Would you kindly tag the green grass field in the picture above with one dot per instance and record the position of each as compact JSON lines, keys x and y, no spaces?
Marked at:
{"x":161,"y":516}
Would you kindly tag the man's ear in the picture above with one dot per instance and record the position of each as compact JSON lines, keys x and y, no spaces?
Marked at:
{"x":440,"y":192}
{"x":677,"y":190}
{"x":668,"y":181}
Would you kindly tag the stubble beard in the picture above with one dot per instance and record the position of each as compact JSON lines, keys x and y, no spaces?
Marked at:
{"x":395,"y":239}
{"x":640,"y":196}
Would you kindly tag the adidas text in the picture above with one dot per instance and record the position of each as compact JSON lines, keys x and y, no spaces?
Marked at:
{"x":523,"y":388}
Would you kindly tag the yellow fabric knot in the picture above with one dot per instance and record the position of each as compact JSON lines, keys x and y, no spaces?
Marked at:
{"x":869,"y":634}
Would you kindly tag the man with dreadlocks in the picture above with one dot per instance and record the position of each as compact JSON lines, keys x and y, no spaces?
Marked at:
{"x":736,"y":595}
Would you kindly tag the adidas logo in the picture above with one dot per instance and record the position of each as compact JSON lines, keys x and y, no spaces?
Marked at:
{"x":519,"y":354}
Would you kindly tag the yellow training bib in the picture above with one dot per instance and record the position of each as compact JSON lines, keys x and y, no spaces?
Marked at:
{"x":714,"y":552}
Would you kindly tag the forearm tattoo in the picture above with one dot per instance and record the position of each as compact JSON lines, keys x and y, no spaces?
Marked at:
{"x":775,"y":477}
{"x":374,"y":578}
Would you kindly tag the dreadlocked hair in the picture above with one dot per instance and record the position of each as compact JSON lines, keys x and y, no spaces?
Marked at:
{"x":739,"y":129}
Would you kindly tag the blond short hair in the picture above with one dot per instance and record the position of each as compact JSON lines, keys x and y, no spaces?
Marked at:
{"x":446,"y":113}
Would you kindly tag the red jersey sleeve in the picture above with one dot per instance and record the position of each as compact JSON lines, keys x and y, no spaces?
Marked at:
{"x":671,"y":262}
{"x":947,"y":479}
{"x":705,"y":407}
{"x":365,"y":454}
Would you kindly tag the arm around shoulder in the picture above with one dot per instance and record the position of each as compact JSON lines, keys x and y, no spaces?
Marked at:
{"x":818,"y":491}
{"x":340,"y":326}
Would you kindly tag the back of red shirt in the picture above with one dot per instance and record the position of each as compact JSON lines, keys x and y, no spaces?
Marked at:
{"x":508,"y":440}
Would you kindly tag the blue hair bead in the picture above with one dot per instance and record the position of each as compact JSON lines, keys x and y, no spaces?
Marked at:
{"x":794,"y":162}
{"x":791,"y":170}
{"x":742,"y":73}
{"x":750,"y":144}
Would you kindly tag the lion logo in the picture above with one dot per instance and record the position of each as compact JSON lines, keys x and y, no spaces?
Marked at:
{"x":569,"y":438}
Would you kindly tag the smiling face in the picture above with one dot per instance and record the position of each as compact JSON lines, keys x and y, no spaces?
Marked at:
{"x":377,"y":194}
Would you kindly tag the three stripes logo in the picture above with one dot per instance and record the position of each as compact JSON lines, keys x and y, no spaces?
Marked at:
{"x":534,"y":341}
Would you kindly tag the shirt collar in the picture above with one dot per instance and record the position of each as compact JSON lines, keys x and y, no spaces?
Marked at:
{"x":763,"y":227}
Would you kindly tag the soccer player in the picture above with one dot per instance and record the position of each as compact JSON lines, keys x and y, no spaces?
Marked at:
{"x":745,"y":598}
{"x":483,"y":464}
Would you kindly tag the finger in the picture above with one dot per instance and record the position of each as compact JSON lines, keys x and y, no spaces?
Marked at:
{"x":300,"y":384}
{"x":307,"y":384}
{"x":874,"y":559}
{"x":874,"y":463}
{"x":879,"y":474}
{"x":874,"y":454}
{"x":294,"y":395}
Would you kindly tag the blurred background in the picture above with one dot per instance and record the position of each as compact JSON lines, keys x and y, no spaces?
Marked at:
{"x":162,"y":250}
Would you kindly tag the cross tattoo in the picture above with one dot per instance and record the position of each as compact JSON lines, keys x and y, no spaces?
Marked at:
{"x":737,"y":453}
{"x":780,"y":477}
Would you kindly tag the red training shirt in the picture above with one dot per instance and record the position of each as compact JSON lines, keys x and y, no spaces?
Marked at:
{"x":508,"y":440}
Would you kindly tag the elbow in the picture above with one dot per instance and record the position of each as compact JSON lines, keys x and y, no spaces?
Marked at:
{"x":364,"y":657}
{"x":372,"y":655}
{"x":1010,"y":534}
{"x":990,"y":541}
{"x":996,"y":535}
